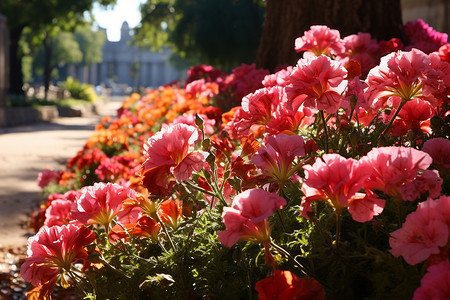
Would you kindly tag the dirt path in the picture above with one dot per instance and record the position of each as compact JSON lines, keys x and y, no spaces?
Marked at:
{"x":27,"y":150}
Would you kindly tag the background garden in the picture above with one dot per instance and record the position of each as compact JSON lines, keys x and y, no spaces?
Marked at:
{"x":290,"y":177}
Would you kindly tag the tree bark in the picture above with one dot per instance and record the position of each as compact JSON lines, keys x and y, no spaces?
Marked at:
{"x":47,"y":64}
{"x":15,"y":62}
{"x":288,"y":19}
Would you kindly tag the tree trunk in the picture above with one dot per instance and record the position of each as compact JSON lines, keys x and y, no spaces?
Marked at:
{"x":15,"y":62}
{"x":288,"y":19}
{"x":47,"y":64}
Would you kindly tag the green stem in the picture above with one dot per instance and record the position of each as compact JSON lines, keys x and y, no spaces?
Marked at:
{"x":77,"y":284}
{"x":215,"y":193}
{"x":289,"y":256}
{"x":338,"y":228}
{"x":393,"y":117}
{"x":200,"y":189}
{"x":319,"y":227}
{"x":112,"y":268}
{"x":163,"y":226}
{"x":325,"y":130}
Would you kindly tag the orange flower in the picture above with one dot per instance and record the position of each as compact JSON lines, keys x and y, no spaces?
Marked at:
{"x":144,"y":227}
{"x":171,"y":212}
{"x":285,"y":285}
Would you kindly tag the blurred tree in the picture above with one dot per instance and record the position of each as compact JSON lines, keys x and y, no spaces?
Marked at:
{"x":222,"y":33}
{"x":42,"y":17}
{"x":91,"y":45}
{"x":288,"y":19}
{"x":64,"y":49}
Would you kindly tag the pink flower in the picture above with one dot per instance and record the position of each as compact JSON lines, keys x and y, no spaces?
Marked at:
{"x":337,"y":181}
{"x":393,"y":167}
{"x":414,"y":116}
{"x":100,"y":203}
{"x":246,"y":218}
{"x":276,"y":156}
{"x":246,"y":79}
{"x":363,"y":207}
{"x":386,"y":47}
{"x":169,"y":150}
{"x":361,"y":48}
{"x":257,"y":111}
{"x":428,"y":181}
{"x":444,"y":52}
{"x":320,"y":40}
{"x":280,"y":78}
{"x":317,"y":82}
{"x":435,"y":284}
{"x":424,"y":37}
{"x":404,"y":75}
{"x":109,"y":169}
{"x":189,"y":119}
{"x":355,"y":88}
{"x":54,"y":249}
{"x":203,"y":71}
{"x":47,"y":176}
{"x":423,"y":232}
{"x":261,"y":104}
{"x":58,"y":213}
{"x":287,"y":119}
{"x":439,"y":150}
{"x":201,"y":89}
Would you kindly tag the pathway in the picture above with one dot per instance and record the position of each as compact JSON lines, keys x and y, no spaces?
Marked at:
{"x":27,"y":150}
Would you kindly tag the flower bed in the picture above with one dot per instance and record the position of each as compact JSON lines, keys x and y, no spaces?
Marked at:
{"x":329,"y":180}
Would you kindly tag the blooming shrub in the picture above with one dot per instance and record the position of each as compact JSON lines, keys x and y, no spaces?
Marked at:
{"x":289,"y":185}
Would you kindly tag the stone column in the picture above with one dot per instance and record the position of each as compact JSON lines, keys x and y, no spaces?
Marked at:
{"x":143,"y":74}
{"x":154,"y":75}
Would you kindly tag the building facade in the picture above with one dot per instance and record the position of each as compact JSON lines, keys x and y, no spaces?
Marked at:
{"x":124,"y":64}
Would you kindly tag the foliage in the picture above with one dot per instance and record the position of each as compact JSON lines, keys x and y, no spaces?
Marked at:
{"x":338,"y":160}
{"x":43,"y":19}
{"x":90,"y":43}
{"x":79,"y":90}
{"x":222,"y":33}
{"x":65,"y":50}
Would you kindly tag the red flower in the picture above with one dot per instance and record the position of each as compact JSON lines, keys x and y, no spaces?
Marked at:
{"x":285,"y":285}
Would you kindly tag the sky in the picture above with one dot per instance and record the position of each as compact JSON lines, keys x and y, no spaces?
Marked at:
{"x":112,"y":19}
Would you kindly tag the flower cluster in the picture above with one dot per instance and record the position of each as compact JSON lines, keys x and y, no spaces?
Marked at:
{"x":282,"y":186}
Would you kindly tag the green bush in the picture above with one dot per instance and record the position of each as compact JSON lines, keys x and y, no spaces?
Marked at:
{"x":79,"y":90}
